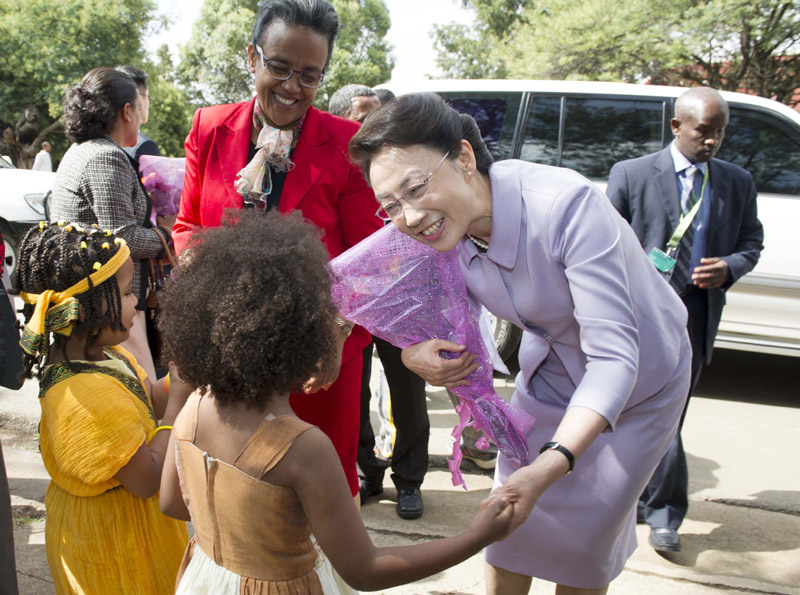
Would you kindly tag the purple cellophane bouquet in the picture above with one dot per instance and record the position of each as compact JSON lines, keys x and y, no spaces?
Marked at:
{"x":163,"y":179}
{"x":406,"y":292}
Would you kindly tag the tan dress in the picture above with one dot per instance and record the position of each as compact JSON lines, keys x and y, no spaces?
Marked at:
{"x":250,"y":536}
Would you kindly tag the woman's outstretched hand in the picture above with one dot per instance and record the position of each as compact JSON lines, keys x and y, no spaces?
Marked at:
{"x":424,"y":360}
{"x":520,"y":490}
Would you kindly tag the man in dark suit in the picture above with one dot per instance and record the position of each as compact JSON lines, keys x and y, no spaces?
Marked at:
{"x":696,"y":217}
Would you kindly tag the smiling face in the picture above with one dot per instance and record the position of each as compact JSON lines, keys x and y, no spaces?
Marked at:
{"x":285,"y":102}
{"x":452,"y":205}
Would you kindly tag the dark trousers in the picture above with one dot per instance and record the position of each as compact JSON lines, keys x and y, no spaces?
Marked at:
{"x":8,"y":569}
{"x":666,"y":496}
{"x":410,"y":414}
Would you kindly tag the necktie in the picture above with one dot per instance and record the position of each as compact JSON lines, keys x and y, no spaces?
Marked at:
{"x":680,"y":274}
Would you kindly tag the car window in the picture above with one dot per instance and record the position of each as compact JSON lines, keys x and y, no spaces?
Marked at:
{"x":767,"y":147}
{"x":540,"y":142}
{"x":496,"y":116}
{"x":600,"y":132}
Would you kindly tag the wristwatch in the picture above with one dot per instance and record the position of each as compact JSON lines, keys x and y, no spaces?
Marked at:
{"x":347,"y":327}
{"x":563,"y":450}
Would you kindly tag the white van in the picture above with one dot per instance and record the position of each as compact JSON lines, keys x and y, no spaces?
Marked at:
{"x":589,"y":126}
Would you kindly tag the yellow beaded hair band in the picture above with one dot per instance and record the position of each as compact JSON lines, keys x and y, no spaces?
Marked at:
{"x":34,"y":336}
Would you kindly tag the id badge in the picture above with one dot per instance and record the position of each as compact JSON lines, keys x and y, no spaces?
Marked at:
{"x":662,"y":261}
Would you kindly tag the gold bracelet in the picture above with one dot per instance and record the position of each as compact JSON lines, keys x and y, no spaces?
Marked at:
{"x":159,"y":428}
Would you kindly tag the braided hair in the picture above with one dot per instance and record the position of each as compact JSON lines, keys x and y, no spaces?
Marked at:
{"x":56,"y":257}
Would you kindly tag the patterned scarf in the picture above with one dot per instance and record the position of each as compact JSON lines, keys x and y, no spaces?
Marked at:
{"x":272,"y":149}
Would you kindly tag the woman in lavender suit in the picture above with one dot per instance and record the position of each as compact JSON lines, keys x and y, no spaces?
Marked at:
{"x":605,"y":356}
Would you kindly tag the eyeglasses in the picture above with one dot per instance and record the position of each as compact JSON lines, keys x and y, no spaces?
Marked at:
{"x":415,"y":193}
{"x":283,"y":72}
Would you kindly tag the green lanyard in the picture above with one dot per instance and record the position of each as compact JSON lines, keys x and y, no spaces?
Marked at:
{"x":686,"y":219}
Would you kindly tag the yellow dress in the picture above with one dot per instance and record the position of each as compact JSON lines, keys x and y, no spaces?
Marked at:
{"x":99,"y":537}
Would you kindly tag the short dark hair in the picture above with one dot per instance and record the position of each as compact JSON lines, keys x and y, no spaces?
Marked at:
{"x":139,"y":76}
{"x":384,"y":95}
{"x":418,"y":119}
{"x":56,"y":257}
{"x":341,"y":103}
{"x":318,"y":15}
{"x":248,"y":314}
{"x":91,"y":106}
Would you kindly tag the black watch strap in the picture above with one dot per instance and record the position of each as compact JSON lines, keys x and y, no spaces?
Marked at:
{"x":563,"y":450}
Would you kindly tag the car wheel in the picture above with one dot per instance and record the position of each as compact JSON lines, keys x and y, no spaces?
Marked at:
{"x":10,"y":262}
{"x":506,"y":339}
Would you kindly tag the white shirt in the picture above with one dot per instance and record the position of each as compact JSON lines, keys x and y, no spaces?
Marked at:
{"x":42,"y":161}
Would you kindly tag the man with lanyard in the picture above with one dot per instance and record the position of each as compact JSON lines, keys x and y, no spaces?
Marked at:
{"x":696,"y":218}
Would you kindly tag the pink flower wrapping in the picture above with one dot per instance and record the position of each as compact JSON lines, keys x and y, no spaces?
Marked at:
{"x":406,"y":292}
{"x":163,"y":179}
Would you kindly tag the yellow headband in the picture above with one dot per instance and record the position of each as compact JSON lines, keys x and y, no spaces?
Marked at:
{"x":64,"y":311}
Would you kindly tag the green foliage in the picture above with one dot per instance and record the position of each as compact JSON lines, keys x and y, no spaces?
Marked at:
{"x":214,"y":62}
{"x":47,"y":47}
{"x":170,"y":110}
{"x":361,"y":54}
{"x":464,"y":52}
{"x":728,"y":44}
{"x":743,"y":44}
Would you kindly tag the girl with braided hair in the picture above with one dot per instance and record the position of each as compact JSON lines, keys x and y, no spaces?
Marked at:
{"x":99,"y":436}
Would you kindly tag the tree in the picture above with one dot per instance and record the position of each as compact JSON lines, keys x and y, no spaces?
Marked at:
{"x":751,"y":45}
{"x":170,"y":109}
{"x":736,"y":45}
{"x":214,"y":62}
{"x":48,"y":46}
{"x":463,"y":52}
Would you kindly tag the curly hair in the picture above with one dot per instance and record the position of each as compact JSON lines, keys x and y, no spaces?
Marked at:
{"x":58,"y":256}
{"x":91,"y":106}
{"x":249,"y":314}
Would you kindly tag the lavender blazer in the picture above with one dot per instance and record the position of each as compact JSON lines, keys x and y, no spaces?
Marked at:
{"x":604,"y":330}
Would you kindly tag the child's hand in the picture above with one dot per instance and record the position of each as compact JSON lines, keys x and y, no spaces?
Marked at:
{"x":493,"y":522}
{"x":179,"y":390}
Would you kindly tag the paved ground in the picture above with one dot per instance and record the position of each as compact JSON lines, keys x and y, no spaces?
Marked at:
{"x":742,"y":534}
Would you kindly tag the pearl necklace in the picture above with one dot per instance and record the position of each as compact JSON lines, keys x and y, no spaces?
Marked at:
{"x":480,"y":244}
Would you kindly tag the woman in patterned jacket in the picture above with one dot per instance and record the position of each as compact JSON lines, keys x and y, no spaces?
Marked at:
{"x":96,"y":182}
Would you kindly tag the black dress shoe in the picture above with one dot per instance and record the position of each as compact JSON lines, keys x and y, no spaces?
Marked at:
{"x":409,"y":503}
{"x":367,"y":489}
{"x":664,"y":539}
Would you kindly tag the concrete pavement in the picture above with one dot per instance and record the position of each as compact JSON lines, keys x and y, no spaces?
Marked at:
{"x":742,"y":534}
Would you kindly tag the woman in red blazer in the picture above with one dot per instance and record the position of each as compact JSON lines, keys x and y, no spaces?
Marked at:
{"x":279,"y":152}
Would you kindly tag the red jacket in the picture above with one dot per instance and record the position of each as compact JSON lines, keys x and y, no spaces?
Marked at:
{"x":324,"y":185}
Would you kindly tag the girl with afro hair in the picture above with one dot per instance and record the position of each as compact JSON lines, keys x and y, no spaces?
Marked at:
{"x":99,"y":436}
{"x":248,"y":319}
